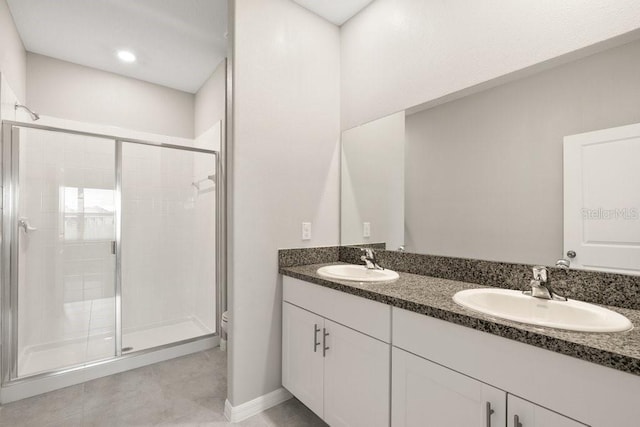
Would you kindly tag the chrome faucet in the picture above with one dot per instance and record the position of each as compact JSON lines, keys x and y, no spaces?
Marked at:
{"x":369,"y":259}
{"x":540,"y":286}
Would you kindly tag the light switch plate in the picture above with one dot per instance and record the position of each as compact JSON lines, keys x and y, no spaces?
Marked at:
{"x":366,"y":229}
{"x":306,"y":231}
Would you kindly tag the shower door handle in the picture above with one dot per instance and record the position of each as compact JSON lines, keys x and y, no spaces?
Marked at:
{"x":24,"y":224}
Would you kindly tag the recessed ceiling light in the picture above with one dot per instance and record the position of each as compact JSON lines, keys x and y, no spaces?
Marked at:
{"x":126,"y":56}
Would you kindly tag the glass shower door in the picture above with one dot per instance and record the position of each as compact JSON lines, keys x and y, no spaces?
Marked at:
{"x":169,"y":291}
{"x":63,"y":272}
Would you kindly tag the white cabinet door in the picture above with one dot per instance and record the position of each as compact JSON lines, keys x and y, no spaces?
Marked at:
{"x":425,"y":394}
{"x":602,"y":199}
{"x":356,"y":378}
{"x":302,"y":362}
{"x":523,"y":413}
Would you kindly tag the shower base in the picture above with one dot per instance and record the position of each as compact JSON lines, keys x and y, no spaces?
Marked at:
{"x":166,"y":333}
{"x":42,"y":383}
{"x":47,"y":357}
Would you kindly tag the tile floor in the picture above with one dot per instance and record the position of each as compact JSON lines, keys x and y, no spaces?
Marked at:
{"x":188,"y":391}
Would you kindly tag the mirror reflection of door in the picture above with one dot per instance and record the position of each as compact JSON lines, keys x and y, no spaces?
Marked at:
{"x":602,"y":199}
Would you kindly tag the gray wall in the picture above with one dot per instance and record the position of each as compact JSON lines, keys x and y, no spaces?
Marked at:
{"x":397,"y":54}
{"x":75,"y":92}
{"x":285,"y":170}
{"x":12,"y":53}
{"x":210,"y":101}
{"x":484,"y":173}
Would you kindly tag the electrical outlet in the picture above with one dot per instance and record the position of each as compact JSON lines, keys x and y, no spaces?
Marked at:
{"x":366,"y":229}
{"x":306,"y":231}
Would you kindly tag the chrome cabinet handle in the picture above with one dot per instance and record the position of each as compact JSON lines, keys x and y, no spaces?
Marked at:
{"x":24,"y":224}
{"x":316,"y":343}
{"x":324,"y":342}
{"x":516,"y":421}
{"x":489,"y":413}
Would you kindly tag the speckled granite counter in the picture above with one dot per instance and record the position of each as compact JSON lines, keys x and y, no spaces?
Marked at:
{"x":433,"y":297}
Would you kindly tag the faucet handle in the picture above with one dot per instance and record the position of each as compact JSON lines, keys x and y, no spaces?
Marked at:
{"x":540,"y":273}
{"x":369,"y":258}
{"x":368,"y":252}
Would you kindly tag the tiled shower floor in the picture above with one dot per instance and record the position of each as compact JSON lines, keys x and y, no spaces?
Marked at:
{"x":188,"y":391}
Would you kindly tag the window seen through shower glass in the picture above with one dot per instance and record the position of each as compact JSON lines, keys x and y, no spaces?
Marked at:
{"x":88,"y":213}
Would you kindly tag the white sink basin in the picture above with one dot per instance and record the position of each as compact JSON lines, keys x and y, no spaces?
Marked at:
{"x":570,"y":315}
{"x":357,"y":273}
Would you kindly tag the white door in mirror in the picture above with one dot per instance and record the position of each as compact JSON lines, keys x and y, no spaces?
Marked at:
{"x":357,"y":273}
{"x":569,"y":315}
{"x":602,"y":199}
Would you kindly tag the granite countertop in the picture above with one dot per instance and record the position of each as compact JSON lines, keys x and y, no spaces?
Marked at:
{"x":434,"y":297}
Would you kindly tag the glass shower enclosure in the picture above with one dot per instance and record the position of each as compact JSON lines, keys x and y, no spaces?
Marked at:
{"x":109,"y":248}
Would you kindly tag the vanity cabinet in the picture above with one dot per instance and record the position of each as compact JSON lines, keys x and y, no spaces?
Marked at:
{"x":340,"y":373}
{"x":522,"y":413}
{"x":427,"y":394}
{"x":435,"y":372}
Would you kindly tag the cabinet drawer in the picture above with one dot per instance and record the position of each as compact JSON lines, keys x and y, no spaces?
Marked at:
{"x":369,"y":317}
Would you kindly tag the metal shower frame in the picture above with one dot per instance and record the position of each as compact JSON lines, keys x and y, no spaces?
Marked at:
{"x":9,"y":248}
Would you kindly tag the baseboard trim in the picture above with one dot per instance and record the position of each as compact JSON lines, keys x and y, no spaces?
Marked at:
{"x":248,"y":409}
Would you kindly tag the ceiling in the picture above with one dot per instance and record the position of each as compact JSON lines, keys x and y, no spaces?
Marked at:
{"x":178,"y":43}
{"x":336,"y":11}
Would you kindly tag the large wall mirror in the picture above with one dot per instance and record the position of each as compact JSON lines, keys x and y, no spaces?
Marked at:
{"x":483,"y":176}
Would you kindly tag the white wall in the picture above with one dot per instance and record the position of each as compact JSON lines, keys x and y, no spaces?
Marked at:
{"x":210,"y":101}
{"x":12,"y":54}
{"x":400,"y":53}
{"x":284,"y":171}
{"x":8,"y":100}
{"x":62,"y":89}
{"x":372,"y":182}
{"x":484,"y":173}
